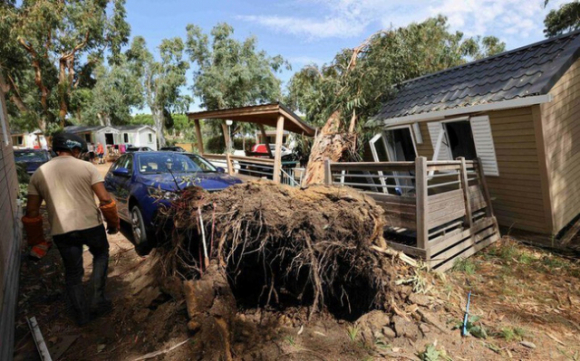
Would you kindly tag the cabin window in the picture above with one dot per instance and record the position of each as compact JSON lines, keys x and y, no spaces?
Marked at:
{"x":88,"y":137}
{"x":460,"y":138}
{"x":125,"y":138}
{"x":18,"y":140}
{"x":470,"y":138}
{"x":109,"y":139}
{"x":150,"y":136}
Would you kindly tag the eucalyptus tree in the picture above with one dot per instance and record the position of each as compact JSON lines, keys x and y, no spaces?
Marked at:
{"x":55,"y":39}
{"x":229,"y":73}
{"x":562,"y":20}
{"x":342,"y":95}
{"x":161,"y":80}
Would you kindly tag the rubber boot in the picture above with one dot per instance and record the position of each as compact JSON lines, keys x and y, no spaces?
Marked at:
{"x":76,"y":295}
{"x":100,"y":305}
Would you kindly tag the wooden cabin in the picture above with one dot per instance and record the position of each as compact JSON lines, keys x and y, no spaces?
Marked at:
{"x":518,"y":111}
{"x":10,"y":239}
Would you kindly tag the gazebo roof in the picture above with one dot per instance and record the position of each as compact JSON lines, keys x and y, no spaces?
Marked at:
{"x":265,"y":114}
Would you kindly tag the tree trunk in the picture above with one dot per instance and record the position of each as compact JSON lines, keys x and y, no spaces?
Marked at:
{"x":328,"y":144}
{"x":63,"y":86}
{"x":159,"y":125}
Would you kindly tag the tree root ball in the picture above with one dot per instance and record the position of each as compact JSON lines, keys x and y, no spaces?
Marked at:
{"x":282,"y":245}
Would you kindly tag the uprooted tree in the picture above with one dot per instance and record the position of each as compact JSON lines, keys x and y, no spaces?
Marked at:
{"x":344,"y":94}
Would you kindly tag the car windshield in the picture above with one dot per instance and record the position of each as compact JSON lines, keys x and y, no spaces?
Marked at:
{"x":30,"y":156}
{"x":178,"y":163}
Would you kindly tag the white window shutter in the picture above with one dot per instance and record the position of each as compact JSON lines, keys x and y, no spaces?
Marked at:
{"x":439,"y":141}
{"x":417,"y":131}
{"x":484,"y":144}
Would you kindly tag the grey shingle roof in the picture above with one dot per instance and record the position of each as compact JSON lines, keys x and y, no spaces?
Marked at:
{"x":82,"y":128}
{"x":526,"y":71}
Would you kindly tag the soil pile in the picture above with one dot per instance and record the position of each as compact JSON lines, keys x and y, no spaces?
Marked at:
{"x":286,"y":246}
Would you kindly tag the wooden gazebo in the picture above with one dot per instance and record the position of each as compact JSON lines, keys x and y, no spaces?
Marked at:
{"x":274,"y":115}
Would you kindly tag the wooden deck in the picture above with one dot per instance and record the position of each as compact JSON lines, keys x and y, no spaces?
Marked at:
{"x":437,"y":211}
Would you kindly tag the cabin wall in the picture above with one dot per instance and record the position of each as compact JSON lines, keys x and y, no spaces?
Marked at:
{"x":10,"y":239}
{"x":517,"y":194}
{"x":561,"y":129}
{"x":143,"y":137}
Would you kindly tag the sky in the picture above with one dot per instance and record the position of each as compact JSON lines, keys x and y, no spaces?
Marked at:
{"x":313,"y":31}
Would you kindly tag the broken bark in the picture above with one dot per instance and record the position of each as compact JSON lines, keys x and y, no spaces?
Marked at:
{"x":328,"y":144}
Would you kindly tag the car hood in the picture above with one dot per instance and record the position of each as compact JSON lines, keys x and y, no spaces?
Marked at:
{"x":207,"y":181}
{"x":32,"y":166}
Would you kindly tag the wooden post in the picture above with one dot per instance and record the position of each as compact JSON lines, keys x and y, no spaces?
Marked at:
{"x":229,"y":164}
{"x":278,"y":151}
{"x":226,"y":137}
{"x":199,"y":138}
{"x":266,"y":140}
{"x":483,"y":184}
{"x":422,"y":206}
{"x":466,"y":196}
{"x":327,"y":172}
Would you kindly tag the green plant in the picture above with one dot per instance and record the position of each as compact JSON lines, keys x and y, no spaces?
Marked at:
{"x":290,"y":340}
{"x":571,"y":356}
{"x":431,"y":353}
{"x":474,"y":327}
{"x":465,"y":265}
{"x":520,"y":332}
{"x":353,"y":332}
{"x":508,"y":334}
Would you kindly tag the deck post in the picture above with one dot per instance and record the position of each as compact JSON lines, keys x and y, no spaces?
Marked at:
{"x":278,"y":149}
{"x":227,"y":137}
{"x":229,"y":164}
{"x":327,"y":172}
{"x":466,"y":196}
{"x":483,"y":184}
{"x":422,"y":205}
{"x":199,"y":138}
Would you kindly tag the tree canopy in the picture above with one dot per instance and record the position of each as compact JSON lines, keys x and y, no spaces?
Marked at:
{"x":562,"y":20}
{"x":50,"y":45}
{"x":358,"y":80}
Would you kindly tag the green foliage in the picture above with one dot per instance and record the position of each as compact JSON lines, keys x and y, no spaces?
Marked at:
{"x":353,"y":332}
{"x":510,"y":334}
{"x":431,"y":353}
{"x":474,"y":327}
{"x":229,"y":73}
{"x":49,"y":50}
{"x":562,"y":20}
{"x":465,"y":265}
{"x":162,"y":81}
{"x":357,"y":81}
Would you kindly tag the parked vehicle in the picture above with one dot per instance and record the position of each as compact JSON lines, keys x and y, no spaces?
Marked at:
{"x":31,"y":158}
{"x":173,"y":148}
{"x":138,"y":149}
{"x":142,"y":182}
{"x":261,"y":148}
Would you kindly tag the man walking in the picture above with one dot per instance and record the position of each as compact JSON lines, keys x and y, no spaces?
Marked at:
{"x":68,"y":186}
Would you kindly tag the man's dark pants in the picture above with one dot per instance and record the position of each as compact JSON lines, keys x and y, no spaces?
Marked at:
{"x":70,"y":246}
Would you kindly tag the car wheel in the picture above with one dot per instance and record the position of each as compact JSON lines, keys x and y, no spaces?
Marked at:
{"x":140,"y":234}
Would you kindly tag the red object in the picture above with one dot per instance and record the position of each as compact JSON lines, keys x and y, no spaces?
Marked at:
{"x":260,"y":148}
{"x":100,"y":149}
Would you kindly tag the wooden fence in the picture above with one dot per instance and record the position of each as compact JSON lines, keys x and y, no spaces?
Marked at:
{"x":254,"y":167}
{"x":437,"y":211}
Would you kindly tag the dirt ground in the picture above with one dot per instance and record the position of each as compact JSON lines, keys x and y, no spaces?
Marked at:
{"x":525,"y":305}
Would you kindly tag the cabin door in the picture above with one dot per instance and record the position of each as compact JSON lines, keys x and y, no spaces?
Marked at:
{"x":395,"y":145}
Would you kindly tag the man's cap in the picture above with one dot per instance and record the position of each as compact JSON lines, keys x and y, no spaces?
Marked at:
{"x":67,"y":142}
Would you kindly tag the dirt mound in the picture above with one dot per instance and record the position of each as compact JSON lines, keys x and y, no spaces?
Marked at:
{"x":287,"y":246}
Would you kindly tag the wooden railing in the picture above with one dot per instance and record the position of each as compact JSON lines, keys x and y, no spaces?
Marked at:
{"x":254,"y":167}
{"x":437,"y":210}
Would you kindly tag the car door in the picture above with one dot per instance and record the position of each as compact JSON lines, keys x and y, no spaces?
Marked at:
{"x":124,"y":186}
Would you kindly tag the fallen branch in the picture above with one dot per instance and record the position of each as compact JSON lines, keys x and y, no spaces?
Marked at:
{"x":157,"y":353}
{"x":400,"y":255}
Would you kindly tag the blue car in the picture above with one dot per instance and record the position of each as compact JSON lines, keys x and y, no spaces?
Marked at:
{"x":141,"y":182}
{"x":31,"y":158}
